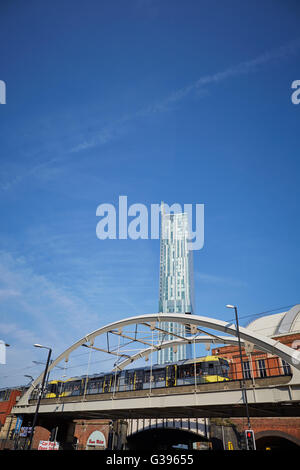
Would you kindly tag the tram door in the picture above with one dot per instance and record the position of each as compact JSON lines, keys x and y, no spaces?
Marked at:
{"x":171,"y":372}
{"x":107,"y":383}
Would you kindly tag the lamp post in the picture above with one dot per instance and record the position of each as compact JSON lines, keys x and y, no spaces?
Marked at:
{"x":40,"y":392}
{"x":43,"y":363}
{"x":244,"y":392}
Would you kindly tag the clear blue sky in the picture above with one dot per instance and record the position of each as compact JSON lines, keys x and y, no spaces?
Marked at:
{"x":180,"y":101}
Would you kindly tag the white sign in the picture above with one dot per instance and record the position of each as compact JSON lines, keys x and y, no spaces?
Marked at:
{"x":96,"y":439}
{"x":48,"y":445}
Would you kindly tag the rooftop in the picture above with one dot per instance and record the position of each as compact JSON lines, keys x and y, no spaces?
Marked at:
{"x":278,"y":324}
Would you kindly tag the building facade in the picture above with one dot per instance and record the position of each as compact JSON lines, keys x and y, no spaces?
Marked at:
{"x":270,"y":433}
{"x":176,"y":289}
{"x":8,"y":398}
{"x":283,"y":327}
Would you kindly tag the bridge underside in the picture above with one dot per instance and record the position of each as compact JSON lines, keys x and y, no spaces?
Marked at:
{"x":234,"y":411}
{"x":162,"y":439}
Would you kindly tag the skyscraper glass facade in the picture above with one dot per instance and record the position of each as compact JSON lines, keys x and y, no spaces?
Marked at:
{"x":176,"y":292}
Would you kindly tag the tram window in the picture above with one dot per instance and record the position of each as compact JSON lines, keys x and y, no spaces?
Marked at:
{"x":99,"y":386}
{"x":129,"y":377}
{"x":147,"y":376}
{"x":213,"y":368}
{"x":159,"y":375}
{"x":186,"y":371}
{"x":73,"y":388}
{"x":92,"y":387}
{"x":139,"y":379}
{"x":108,"y":380}
{"x":52,"y":388}
{"x":68,"y":386}
{"x":224,"y":365}
{"x":209,"y":368}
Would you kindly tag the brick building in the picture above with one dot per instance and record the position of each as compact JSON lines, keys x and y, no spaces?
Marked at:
{"x":8,"y":398}
{"x":92,"y":434}
{"x":284,"y":327}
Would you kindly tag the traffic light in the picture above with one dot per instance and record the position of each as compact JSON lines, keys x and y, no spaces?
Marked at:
{"x":250,"y":439}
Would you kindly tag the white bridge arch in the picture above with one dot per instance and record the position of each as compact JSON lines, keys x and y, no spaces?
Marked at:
{"x":263,"y":343}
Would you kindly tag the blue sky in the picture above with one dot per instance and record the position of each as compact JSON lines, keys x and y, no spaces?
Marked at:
{"x":186,"y":102}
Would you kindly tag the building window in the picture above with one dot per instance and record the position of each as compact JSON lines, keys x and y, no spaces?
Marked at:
{"x":247,"y":370}
{"x":286,"y":367}
{"x":262,"y":368}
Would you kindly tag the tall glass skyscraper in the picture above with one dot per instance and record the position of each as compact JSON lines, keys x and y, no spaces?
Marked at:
{"x":176,"y":284}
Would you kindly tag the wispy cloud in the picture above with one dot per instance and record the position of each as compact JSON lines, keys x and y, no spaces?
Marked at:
{"x":31,"y":171}
{"x":40,"y":302}
{"x":102,"y":137}
{"x":21,"y":336}
{"x":36,"y":309}
{"x":118,"y":127}
{"x":5,"y":293}
{"x":56,"y":311}
{"x":112,"y":130}
{"x":242,"y":68}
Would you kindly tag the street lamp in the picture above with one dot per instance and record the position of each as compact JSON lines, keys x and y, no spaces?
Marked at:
{"x":43,"y":363}
{"x":40,"y":392}
{"x":241,"y":359}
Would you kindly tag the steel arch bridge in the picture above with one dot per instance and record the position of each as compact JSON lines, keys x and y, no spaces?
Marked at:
{"x":155,"y":322}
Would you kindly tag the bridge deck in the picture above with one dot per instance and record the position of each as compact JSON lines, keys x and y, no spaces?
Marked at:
{"x":270,"y":396}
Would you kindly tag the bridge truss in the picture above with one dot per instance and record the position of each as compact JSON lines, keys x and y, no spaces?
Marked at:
{"x":152,"y":338}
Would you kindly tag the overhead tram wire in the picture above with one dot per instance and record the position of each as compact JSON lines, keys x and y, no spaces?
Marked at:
{"x":262,"y":313}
